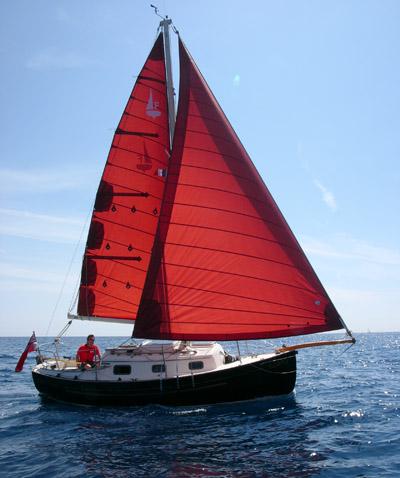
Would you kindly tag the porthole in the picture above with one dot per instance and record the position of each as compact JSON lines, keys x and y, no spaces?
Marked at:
{"x":122,"y":369}
{"x":196,"y":365}
{"x":158,"y":368}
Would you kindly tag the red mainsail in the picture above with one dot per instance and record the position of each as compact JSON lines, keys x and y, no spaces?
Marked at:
{"x":128,"y":202}
{"x":225,"y":265}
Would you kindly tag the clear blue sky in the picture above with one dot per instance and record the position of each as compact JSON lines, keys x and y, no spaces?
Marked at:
{"x":312,"y":89}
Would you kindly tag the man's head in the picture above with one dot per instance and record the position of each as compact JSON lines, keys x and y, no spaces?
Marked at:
{"x":90,"y":339}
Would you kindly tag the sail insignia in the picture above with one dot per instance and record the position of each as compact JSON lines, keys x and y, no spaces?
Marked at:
{"x":145,"y":162}
{"x":152,"y":106}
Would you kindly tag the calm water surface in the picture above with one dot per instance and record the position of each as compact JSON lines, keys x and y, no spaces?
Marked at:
{"x":343,"y":421}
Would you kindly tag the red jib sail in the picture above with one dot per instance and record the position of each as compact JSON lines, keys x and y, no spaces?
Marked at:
{"x":225,"y":264}
{"x":128,"y":201}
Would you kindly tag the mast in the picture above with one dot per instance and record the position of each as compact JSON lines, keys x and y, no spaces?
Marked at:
{"x":164,"y":25}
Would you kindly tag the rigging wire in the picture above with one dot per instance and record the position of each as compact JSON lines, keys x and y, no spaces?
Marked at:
{"x":346,"y":349}
{"x":74,"y":298}
{"x":62,"y":332}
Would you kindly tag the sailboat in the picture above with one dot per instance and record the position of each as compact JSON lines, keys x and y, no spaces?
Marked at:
{"x":187,"y":244}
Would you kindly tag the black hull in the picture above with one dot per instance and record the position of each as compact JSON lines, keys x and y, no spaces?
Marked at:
{"x":268,"y":377}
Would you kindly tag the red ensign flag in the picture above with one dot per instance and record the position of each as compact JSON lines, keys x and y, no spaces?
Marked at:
{"x":31,"y":347}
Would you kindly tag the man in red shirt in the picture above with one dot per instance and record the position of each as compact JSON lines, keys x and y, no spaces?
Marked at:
{"x":88,"y":354}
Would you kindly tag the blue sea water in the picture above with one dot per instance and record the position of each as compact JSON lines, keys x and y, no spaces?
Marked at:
{"x":343,"y":421}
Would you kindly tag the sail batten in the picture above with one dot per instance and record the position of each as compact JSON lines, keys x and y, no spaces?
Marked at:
{"x":228,"y":211}
{"x":237,"y":275}
{"x":128,"y":201}
{"x":236,"y":233}
{"x":134,"y":116}
{"x":242,"y":299}
{"x":225,"y":264}
{"x":236,"y":254}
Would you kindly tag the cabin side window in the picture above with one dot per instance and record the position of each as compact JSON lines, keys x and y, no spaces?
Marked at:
{"x":158,"y":368}
{"x":122,"y":370}
{"x":196,"y":365}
